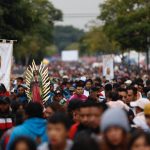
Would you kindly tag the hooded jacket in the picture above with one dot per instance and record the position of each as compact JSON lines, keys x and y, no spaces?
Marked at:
{"x":34,"y":128}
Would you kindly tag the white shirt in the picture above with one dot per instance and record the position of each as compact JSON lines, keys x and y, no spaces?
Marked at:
{"x":140,"y":121}
{"x":86,"y":93}
{"x":118,"y":104}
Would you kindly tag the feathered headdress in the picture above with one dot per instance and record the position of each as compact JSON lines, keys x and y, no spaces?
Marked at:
{"x":44,"y":81}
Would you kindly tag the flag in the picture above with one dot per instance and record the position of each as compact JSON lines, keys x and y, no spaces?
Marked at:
{"x":6,"y":50}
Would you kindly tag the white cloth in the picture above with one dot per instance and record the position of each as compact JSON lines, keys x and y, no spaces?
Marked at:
{"x":6,"y":50}
{"x":45,"y":146}
{"x":118,"y":104}
{"x":140,"y":121}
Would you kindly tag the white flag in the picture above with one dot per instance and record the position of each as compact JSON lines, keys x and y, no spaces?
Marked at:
{"x":6,"y":50}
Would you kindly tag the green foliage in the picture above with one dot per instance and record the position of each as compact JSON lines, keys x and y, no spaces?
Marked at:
{"x":31,"y":23}
{"x":127,"y":22}
{"x":96,"y":41}
{"x":66,"y":35}
{"x":73,"y":46}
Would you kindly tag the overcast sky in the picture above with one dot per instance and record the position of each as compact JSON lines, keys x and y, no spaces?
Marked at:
{"x":78,"y":12}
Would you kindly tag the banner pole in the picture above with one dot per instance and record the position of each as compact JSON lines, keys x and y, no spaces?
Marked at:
{"x":7,"y":41}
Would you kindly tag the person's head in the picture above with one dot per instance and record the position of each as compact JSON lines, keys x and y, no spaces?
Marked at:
{"x":148,"y":83}
{"x":34,"y":109}
{"x":17,"y":106}
{"x":73,"y":109}
{"x":57,"y":129}
{"x":114,"y":126}
{"x":98,"y":81}
{"x":35,"y":72}
{"x":108,"y":88}
{"x":140,"y":88}
{"x":131,"y":94}
{"x":49,"y":110}
{"x":21,"y":90}
{"x":94,"y":92}
{"x":68,"y":84}
{"x":84,"y":141}
{"x":115,"y":86}
{"x":2,"y":89}
{"x":96,"y":111}
{"x":139,"y":141}
{"x":88,"y":84}
{"x":140,"y":104}
{"x":51,"y":87}
{"x":79,"y":89}
{"x":113,"y":96}
{"x":4,"y":104}
{"x":148,"y":95}
{"x":147,"y":114}
{"x":23,"y":143}
{"x":19,"y":80}
{"x":58,"y":96}
{"x":84,"y":114}
{"x":122,"y":94}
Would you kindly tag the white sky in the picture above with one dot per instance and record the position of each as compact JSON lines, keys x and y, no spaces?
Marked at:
{"x":86,"y":9}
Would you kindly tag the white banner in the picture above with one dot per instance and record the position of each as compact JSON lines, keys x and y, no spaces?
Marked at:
{"x":6,"y":50}
{"x":70,"y":55}
{"x":108,"y":67}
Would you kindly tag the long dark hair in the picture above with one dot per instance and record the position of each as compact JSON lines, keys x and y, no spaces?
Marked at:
{"x":106,"y":145}
{"x":137,"y":135}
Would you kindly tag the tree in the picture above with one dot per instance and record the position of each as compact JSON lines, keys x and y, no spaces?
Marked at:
{"x":127,"y":22}
{"x":31,"y":23}
{"x":66,"y":35}
{"x":96,"y":41}
{"x":73,"y":46}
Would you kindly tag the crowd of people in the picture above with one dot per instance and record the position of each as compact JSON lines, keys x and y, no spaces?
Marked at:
{"x":85,"y":111}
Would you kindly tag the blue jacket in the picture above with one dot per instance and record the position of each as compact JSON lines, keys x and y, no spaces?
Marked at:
{"x":35,"y":128}
{"x":23,"y":98}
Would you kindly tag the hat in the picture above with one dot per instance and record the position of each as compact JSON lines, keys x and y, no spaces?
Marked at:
{"x":71,"y":88}
{"x":65,"y":77}
{"x":114,"y":117}
{"x":147,"y":109}
{"x":58,"y":92}
{"x":23,"y":86}
{"x":83,"y":78}
{"x":128,"y":82}
{"x":140,"y":103}
{"x":4,"y":100}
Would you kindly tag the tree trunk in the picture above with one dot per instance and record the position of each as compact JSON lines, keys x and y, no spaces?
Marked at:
{"x":138,"y":60}
{"x":27,"y":60}
{"x":147,"y":58}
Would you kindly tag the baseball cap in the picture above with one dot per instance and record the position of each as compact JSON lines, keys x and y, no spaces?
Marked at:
{"x":65,"y":77}
{"x":128,"y":82}
{"x":142,"y":102}
{"x":83,"y":78}
{"x":58,"y":92}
